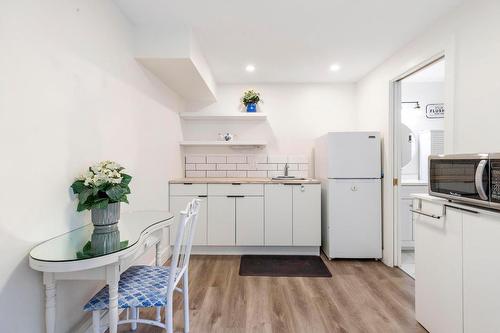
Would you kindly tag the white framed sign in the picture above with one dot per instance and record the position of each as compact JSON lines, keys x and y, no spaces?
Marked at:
{"x":433,"y":111}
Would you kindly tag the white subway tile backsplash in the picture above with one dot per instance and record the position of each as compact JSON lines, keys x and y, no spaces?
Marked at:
{"x":195,"y":174}
{"x":216,"y":158}
{"x":277,"y":159}
{"x":267,"y":166}
{"x":252,"y":159}
{"x":206,"y":166}
{"x":246,"y":167}
{"x":257,"y":174}
{"x":236,"y":165}
{"x":216,"y":174}
{"x":237,"y":174}
{"x":195,"y":158}
{"x":226,"y":166}
{"x":304,"y":167}
{"x":236,"y":159}
{"x":297,"y":159}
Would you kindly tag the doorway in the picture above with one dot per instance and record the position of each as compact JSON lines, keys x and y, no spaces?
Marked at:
{"x":419,"y":132}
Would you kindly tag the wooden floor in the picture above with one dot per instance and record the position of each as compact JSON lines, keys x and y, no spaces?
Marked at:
{"x":362,"y":296}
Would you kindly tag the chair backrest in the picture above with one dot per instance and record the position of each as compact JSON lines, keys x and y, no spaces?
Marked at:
{"x":183,"y":242}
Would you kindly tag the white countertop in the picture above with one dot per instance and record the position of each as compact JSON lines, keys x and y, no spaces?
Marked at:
{"x":443,"y":201}
{"x":243,"y":181}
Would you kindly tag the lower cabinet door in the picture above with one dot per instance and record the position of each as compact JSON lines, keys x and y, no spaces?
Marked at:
{"x":307,"y":215}
{"x":438,"y":269}
{"x":278,"y":215}
{"x":250,"y":221}
{"x":221,"y":221}
{"x":481,"y":273}
{"x":177,"y":204}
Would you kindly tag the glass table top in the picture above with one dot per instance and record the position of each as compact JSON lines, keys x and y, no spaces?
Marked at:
{"x":89,"y":242}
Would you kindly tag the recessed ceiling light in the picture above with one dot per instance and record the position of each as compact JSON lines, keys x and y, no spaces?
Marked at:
{"x":335,"y":67}
{"x":250,"y":68}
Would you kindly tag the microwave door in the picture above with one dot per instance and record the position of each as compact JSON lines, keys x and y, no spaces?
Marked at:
{"x":466,"y":179}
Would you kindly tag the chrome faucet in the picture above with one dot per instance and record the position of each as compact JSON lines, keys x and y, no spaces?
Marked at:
{"x":286,"y":169}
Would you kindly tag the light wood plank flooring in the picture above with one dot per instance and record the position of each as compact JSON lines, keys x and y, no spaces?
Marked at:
{"x":362,"y":296}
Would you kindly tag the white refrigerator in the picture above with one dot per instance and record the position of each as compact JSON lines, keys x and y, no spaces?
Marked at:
{"x":348,"y":164}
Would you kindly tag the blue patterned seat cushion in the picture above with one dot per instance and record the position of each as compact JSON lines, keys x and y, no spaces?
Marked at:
{"x":139,"y":286}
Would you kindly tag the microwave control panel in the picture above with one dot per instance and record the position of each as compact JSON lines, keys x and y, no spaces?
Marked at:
{"x":495,"y":180}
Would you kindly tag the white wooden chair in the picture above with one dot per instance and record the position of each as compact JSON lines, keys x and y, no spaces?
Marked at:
{"x":154,"y":286}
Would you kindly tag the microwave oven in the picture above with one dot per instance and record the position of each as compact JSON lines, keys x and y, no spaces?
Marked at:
{"x":467,"y":178}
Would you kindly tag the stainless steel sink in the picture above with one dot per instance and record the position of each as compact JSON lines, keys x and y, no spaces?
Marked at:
{"x":287,"y":178}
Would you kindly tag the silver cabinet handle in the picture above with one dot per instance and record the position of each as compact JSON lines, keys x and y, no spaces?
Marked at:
{"x":417,"y":211}
{"x":479,"y":179}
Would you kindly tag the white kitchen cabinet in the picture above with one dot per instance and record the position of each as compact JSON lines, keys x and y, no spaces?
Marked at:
{"x":406,"y":223}
{"x":178,"y":204}
{"x":306,"y":215}
{"x":221,"y":221}
{"x":250,"y":221}
{"x":278,"y":215}
{"x":481,"y":272}
{"x":438,"y":264}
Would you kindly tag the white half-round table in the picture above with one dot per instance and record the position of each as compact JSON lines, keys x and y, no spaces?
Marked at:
{"x":108,"y":254}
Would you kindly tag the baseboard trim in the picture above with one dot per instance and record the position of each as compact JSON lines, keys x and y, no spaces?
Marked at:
{"x":86,"y":325}
{"x":241,"y":250}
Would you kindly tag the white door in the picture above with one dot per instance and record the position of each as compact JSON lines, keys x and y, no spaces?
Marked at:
{"x":481,"y":239}
{"x":355,"y":218}
{"x":307,"y":215}
{"x":278,"y":215}
{"x":438,"y":269}
{"x":221,"y":221}
{"x":177,"y":204}
{"x":250,"y":221}
{"x":354,"y":155}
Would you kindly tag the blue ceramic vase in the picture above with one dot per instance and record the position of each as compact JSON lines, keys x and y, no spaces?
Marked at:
{"x":252,"y":107}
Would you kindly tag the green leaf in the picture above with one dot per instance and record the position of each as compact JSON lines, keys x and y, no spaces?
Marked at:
{"x":100,"y":203}
{"x":84,"y":195}
{"x":87,"y":246}
{"x":115,"y":193}
{"x":127,"y":189}
{"x":123,"y":244}
{"x":82,"y":206}
{"x":124,"y":199}
{"x":78,"y":186}
{"x":126,"y":179}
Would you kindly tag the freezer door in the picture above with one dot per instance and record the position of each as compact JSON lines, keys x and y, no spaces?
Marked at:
{"x":355,"y":218}
{"x":354,"y":155}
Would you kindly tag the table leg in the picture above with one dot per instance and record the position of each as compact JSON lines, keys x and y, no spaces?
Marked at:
{"x":158,"y":254}
{"x":50,"y":302}
{"x":113,"y":277}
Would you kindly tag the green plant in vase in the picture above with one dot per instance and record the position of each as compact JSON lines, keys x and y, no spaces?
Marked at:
{"x":250,"y":99}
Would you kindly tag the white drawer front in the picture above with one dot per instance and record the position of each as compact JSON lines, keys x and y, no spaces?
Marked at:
{"x":188,"y":189}
{"x":233,"y":189}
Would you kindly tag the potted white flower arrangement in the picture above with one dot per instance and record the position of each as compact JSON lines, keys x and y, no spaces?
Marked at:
{"x":100,"y":190}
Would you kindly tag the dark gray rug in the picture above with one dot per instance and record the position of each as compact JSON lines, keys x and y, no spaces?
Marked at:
{"x":289,"y":266}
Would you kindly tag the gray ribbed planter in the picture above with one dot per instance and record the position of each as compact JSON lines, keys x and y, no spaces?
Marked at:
{"x":105,"y":239}
{"x":106,"y":216}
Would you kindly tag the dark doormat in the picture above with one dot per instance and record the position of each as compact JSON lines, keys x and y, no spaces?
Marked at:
{"x":290,"y":266}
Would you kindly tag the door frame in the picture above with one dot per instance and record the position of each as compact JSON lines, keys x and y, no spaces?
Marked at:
{"x":394,"y":132}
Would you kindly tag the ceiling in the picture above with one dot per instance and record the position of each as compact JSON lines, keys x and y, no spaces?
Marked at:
{"x":293,"y":40}
{"x":432,"y":73}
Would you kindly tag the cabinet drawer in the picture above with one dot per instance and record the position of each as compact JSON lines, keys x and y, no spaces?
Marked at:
{"x":188,"y":189}
{"x":233,"y":189}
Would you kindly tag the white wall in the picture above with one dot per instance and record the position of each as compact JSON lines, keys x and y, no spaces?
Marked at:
{"x":71,"y":94}
{"x":297,"y":115}
{"x":469,"y":38}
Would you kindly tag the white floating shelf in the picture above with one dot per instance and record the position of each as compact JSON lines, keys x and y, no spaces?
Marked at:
{"x":232,"y":144}
{"x":237,"y":116}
